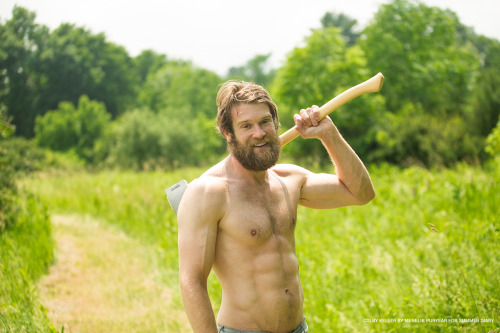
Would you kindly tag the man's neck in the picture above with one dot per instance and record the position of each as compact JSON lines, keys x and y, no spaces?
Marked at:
{"x":234,"y":167}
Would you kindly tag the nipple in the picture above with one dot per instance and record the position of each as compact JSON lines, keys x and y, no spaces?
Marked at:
{"x":253,"y":232}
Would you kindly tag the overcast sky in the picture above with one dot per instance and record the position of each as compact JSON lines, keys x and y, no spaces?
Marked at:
{"x":218,"y":34}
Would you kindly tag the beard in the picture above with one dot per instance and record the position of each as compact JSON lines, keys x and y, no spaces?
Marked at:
{"x":260,"y":160}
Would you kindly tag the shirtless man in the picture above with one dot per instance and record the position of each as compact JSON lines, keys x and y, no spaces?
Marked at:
{"x":239,"y":217}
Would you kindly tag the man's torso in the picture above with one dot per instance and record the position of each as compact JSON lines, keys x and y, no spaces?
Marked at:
{"x":255,"y":258}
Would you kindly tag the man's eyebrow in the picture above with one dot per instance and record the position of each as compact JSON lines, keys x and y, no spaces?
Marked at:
{"x":266,"y":117}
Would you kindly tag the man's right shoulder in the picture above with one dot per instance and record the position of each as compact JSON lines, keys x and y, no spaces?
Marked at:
{"x":208,"y":185}
{"x":206,"y":195}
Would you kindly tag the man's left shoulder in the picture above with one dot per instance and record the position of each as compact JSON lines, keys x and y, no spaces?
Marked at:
{"x":289,"y":170}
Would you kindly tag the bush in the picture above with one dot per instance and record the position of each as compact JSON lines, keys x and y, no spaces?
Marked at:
{"x":26,"y":250}
{"x":26,"y":245}
{"x":70,"y":128}
{"x":493,"y":141}
{"x":413,"y":137}
{"x":7,"y":186}
{"x":181,"y":87}
{"x":142,"y":139}
{"x":23,"y":155}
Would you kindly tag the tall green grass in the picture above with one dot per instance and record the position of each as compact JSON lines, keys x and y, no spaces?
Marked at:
{"x":425,"y":248}
{"x":26,"y":250}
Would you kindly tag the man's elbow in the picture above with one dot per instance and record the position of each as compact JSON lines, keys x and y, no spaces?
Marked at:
{"x":366,"y":197}
{"x":189,"y":283}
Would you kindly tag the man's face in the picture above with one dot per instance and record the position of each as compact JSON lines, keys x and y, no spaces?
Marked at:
{"x":255,"y":142}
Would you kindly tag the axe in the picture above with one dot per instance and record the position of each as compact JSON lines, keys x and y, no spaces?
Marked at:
{"x":175,"y":192}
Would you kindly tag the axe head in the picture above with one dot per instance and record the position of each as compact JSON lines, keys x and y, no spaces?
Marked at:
{"x":174,"y":194}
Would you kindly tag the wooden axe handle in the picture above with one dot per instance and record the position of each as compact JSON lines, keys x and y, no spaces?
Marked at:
{"x":372,"y":85}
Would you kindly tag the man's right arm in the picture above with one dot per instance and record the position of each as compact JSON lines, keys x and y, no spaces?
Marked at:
{"x":198,"y":217}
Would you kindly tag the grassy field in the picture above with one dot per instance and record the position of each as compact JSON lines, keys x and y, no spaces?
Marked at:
{"x":423,"y":256}
{"x":26,"y":250}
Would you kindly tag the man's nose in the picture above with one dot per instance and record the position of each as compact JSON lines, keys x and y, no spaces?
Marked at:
{"x":258,"y":132}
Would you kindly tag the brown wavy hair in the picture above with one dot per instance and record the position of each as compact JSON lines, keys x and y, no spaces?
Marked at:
{"x":233,"y":93}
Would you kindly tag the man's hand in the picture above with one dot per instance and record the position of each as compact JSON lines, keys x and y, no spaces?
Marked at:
{"x":309,"y":126}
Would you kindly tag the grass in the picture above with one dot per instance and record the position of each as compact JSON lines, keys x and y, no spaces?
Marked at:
{"x":425,"y":248}
{"x":106,"y":281}
{"x":26,"y":250}
{"x":385,"y":261}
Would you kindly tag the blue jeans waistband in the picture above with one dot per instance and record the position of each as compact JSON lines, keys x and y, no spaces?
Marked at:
{"x":301,"y":329}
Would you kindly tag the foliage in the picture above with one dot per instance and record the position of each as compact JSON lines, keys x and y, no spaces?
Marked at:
{"x":7,"y":185}
{"x":486,"y":92}
{"x":411,"y":253}
{"x":26,"y":246}
{"x":345,"y":23}
{"x":23,"y":156}
{"x":22,"y":42}
{"x":80,"y":63}
{"x":148,"y":62}
{"x":6,"y":128}
{"x":73,"y":128}
{"x":493,"y":141}
{"x":26,"y":250}
{"x":419,"y":50}
{"x":315,"y":73}
{"x":382,"y":260}
{"x":39,"y":69}
{"x":255,"y":70}
{"x":413,"y":137}
{"x":432,"y":63}
{"x":142,"y":139}
{"x":181,"y":90}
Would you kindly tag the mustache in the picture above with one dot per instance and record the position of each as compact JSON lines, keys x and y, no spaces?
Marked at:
{"x":259,"y":142}
{"x":265,"y":140}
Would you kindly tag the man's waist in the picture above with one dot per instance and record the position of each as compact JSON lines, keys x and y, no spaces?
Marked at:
{"x":302,"y":328}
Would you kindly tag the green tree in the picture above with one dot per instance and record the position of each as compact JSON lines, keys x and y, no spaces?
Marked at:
{"x":493,"y":141}
{"x":148,"y":62}
{"x":314,"y":74}
{"x":78,"y":62}
{"x":39,"y":69}
{"x":486,"y":91}
{"x":412,"y":136}
{"x":6,"y":128}
{"x":22,"y":42}
{"x":255,"y":70}
{"x":7,"y":185}
{"x":419,"y":49}
{"x":182,"y":90}
{"x":142,"y":139}
{"x":73,"y":128}
{"x":346,"y":24}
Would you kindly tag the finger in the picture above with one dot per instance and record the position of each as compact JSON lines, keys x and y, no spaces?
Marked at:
{"x":298,"y":120}
{"x":316,"y":113}
{"x":313,"y":116}
{"x":306,"y":118}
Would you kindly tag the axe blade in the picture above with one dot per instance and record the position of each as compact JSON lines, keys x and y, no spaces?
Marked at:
{"x":174,"y":194}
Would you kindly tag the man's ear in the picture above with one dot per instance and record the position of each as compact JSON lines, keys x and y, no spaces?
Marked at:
{"x":227,"y":135}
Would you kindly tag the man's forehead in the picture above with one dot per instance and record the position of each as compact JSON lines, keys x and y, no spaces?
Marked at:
{"x":251,"y":110}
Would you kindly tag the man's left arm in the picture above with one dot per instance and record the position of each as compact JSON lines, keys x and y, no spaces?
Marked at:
{"x":351,"y":185}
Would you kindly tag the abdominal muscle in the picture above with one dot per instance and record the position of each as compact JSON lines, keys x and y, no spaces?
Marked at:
{"x":261,"y":284}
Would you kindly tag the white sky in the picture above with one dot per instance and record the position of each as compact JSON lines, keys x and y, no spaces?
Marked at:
{"x":218,"y":34}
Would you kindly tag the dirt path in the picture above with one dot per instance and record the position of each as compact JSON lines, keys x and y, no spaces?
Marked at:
{"x":104,"y":281}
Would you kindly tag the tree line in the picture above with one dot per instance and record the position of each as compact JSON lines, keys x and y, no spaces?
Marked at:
{"x":72,"y":90}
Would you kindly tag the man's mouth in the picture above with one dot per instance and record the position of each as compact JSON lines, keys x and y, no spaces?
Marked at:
{"x":260,"y":145}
